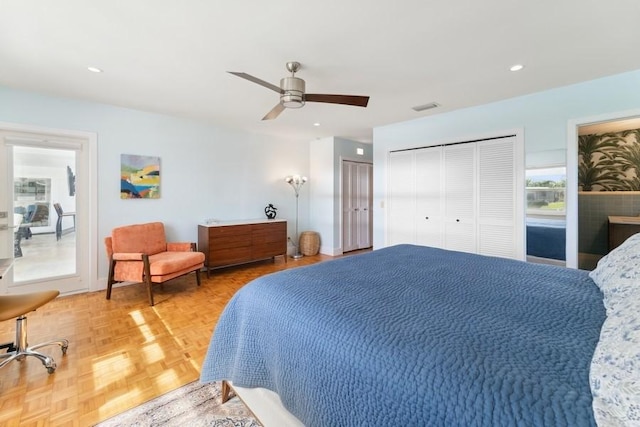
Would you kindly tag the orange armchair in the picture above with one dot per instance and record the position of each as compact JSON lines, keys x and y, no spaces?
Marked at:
{"x":140,"y":253}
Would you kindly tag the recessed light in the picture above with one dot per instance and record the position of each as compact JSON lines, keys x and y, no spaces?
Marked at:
{"x":516,"y":67}
{"x":94,"y":69}
{"x":428,"y":106}
{"x":316,"y":124}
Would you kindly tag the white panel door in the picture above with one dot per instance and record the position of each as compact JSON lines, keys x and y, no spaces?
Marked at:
{"x":364,"y":182}
{"x":497,"y":197}
{"x":349,"y":205}
{"x":460,"y":197}
{"x":401,"y":206}
{"x":428,"y":182}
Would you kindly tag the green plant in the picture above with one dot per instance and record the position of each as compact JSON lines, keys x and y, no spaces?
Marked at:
{"x":600,"y":171}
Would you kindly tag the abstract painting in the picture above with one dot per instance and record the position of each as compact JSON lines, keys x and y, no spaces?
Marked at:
{"x":139,"y":177}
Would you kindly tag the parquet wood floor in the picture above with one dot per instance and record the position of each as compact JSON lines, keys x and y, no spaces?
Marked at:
{"x":122,"y":352}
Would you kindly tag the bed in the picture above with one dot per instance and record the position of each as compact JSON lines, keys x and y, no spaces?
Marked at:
{"x":546,"y":238}
{"x":411,"y":335}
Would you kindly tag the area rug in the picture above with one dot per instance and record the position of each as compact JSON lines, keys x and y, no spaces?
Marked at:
{"x":193,"y":405}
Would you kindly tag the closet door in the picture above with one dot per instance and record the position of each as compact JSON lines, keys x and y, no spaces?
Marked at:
{"x":401,"y":206}
{"x":349,"y":205}
{"x":460,"y":197}
{"x":428,"y":182}
{"x":364,"y":182}
{"x":497,"y":195}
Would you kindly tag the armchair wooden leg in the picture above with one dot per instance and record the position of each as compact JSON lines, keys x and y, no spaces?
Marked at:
{"x":147,"y":277}
{"x":110,"y":281}
{"x":198,"y":276}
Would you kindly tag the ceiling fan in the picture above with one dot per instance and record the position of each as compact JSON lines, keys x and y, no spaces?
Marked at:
{"x":292,"y":93}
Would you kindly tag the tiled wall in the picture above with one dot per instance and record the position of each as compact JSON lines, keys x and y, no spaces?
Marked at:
{"x":593,"y":210}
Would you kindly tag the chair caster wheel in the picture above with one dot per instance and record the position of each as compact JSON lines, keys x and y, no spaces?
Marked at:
{"x":51,"y":370}
{"x":64,"y":349}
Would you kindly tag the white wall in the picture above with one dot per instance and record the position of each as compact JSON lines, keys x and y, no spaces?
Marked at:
{"x":322,"y":193}
{"x":544,"y":116}
{"x":206,"y":171}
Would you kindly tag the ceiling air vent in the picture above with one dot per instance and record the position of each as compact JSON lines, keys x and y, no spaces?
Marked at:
{"x":428,"y":106}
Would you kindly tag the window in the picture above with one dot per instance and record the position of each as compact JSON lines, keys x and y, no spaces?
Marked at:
{"x":546,"y":190}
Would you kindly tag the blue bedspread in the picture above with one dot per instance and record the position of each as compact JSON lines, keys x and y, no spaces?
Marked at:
{"x":416,"y":336}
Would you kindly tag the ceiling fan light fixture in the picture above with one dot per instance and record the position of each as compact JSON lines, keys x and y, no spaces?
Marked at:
{"x":292,"y":99}
{"x":292,"y":92}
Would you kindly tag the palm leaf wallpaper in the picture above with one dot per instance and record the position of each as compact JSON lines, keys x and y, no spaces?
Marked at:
{"x":609,"y":161}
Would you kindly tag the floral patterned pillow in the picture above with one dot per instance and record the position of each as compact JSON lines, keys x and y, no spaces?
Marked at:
{"x":615,"y":367}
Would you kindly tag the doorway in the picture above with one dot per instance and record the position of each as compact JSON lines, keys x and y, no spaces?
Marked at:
{"x":357,"y":203}
{"x":597,"y":193}
{"x":46,"y":194}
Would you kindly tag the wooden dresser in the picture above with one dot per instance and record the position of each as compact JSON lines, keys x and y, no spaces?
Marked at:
{"x":226,"y":243}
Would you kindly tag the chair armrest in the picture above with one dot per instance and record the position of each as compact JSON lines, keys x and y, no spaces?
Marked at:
{"x":127,"y":256}
{"x":180,"y":247}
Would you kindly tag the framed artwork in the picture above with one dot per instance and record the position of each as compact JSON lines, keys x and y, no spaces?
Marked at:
{"x":139,"y":177}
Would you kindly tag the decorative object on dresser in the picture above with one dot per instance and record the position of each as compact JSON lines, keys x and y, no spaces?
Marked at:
{"x":270,"y":211}
{"x":140,"y":253}
{"x":227,"y":243}
{"x":296,"y":181}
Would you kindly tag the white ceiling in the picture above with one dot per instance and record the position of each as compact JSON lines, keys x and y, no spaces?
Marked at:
{"x":171,"y":56}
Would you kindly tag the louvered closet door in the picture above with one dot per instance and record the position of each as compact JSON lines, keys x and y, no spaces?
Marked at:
{"x":497,"y":197}
{"x":428,"y":164}
{"x":401,"y":198}
{"x":460,"y":197}
{"x":365,"y":185}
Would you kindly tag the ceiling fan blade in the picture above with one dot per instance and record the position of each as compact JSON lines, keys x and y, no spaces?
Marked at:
{"x":275,"y":112}
{"x":256,"y":80}
{"x":358,"y":101}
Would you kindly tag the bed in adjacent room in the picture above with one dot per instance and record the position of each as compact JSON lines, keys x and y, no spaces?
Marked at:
{"x":411,"y":335}
{"x":546,"y":238}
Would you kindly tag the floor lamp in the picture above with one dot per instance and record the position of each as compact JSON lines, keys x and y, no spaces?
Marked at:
{"x":296,"y":181}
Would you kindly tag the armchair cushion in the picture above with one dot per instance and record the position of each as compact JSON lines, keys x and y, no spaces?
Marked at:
{"x":178,"y":246}
{"x":166,"y":263}
{"x":146,"y":238}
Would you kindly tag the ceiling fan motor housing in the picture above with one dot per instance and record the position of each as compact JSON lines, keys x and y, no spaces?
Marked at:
{"x":292,"y":92}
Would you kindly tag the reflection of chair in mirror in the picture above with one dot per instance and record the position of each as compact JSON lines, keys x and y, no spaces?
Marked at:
{"x":18,"y":219}
{"x":37,"y":215}
{"x":61,"y":215}
{"x":16,"y":307}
